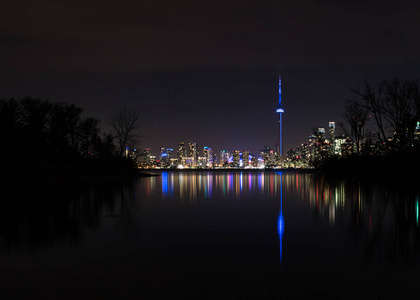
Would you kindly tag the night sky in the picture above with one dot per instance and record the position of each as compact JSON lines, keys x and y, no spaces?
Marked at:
{"x":207,"y":71}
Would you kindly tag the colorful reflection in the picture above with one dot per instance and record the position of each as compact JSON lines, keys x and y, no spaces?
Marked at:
{"x":192,"y":186}
{"x":374,"y":210}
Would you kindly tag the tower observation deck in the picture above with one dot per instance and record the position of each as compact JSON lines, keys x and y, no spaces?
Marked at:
{"x":280,"y":111}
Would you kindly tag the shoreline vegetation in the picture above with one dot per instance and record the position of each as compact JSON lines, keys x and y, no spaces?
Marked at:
{"x":47,"y":142}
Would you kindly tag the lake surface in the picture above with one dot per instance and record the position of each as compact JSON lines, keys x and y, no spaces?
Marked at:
{"x":211,"y":235}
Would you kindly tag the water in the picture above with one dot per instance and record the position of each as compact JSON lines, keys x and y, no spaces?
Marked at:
{"x":211,"y":235}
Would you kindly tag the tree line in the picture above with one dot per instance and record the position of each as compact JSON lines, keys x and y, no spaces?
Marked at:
{"x":382,"y":122}
{"x":36,"y":133}
{"x":384,"y":114}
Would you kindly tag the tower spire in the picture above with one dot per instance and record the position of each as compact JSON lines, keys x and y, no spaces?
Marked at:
{"x":279,"y":89}
{"x":280,"y":111}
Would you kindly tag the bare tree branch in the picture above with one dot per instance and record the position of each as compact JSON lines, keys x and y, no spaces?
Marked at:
{"x":124,"y":123}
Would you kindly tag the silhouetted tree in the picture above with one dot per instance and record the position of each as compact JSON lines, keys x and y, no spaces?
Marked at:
{"x":124,"y":123}
{"x":373,"y":100}
{"x":401,"y":110}
{"x":39,"y":130}
{"x":355,"y":116}
{"x":51,"y":138}
{"x":63,"y":129}
{"x":88,"y":137}
{"x":395,"y":108}
{"x":106,"y":147}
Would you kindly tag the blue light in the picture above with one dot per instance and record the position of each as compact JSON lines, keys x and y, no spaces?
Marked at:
{"x":279,"y":89}
{"x":280,"y":225}
{"x":280,"y":221}
{"x":280,"y":110}
{"x":164,"y":154}
{"x":165,"y":183}
{"x":280,"y":229}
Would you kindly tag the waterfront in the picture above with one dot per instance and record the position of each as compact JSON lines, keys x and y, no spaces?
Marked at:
{"x":212,"y":235}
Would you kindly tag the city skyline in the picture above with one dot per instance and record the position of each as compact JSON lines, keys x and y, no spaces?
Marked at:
{"x":206,"y":71}
{"x":332,"y":133}
{"x":267,"y":155}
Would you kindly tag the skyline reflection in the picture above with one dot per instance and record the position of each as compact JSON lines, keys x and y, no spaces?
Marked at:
{"x":196,"y":230}
{"x":280,"y":226}
{"x":379,"y":214}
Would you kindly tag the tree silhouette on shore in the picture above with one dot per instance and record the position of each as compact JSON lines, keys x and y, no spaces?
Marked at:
{"x":40,"y":134}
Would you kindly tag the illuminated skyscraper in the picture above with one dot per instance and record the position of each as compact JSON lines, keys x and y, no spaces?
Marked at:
{"x":280,"y":111}
{"x":224,"y":156}
{"x":165,"y":156}
{"x":265,"y":154}
{"x":331,"y":126}
{"x":321,"y":134}
{"x":236,"y":158}
{"x":181,"y":152}
{"x":208,"y":155}
{"x":161,"y":150}
{"x":245,"y":158}
{"x":193,"y":153}
{"x":162,"y":153}
{"x":146,"y":154}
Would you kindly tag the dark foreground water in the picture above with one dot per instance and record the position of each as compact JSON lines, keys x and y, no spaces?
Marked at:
{"x":211,"y":235}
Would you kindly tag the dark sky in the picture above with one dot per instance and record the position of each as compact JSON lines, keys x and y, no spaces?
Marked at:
{"x":207,"y":71}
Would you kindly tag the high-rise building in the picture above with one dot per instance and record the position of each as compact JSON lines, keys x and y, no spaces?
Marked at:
{"x":170,"y":152}
{"x":146,"y":154}
{"x":208,"y":155}
{"x":312,"y":147}
{"x":265,"y":155}
{"x":193,"y":153}
{"x":161,"y":151}
{"x":181,"y":152}
{"x":280,"y":111}
{"x":165,"y":156}
{"x":235,"y":158}
{"x":224,"y":156}
{"x":245,"y":158}
{"x":331,"y":127}
{"x":339,"y":140}
{"x":254,"y":162}
{"x":321,"y":134}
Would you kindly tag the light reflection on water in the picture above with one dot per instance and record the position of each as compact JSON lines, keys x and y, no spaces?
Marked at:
{"x":377,"y":215}
{"x":251,"y":226}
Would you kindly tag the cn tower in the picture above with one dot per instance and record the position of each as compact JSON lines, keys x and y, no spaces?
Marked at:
{"x":280,"y":111}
